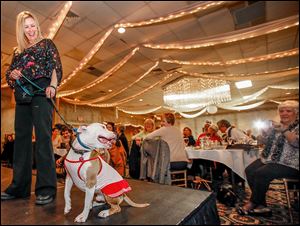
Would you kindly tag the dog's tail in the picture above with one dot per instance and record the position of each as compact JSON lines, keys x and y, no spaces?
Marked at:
{"x":132,"y":203}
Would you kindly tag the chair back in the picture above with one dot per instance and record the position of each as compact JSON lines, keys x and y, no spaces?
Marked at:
{"x":155,"y":161}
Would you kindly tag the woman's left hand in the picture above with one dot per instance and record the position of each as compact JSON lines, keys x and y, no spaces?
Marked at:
{"x":50,"y":92}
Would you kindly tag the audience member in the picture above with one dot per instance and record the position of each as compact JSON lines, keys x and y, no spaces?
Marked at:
{"x":56,"y":138}
{"x":65,"y":138}
{"x":135,"y":155}
{"x":188,"y":137}
{"x":233,"y":134}
{"x":117,"y":153}
{"x":173,"y":137}
{"x":249,"y":134}
{"x":200,"y":166}
{"x":8,"y":150}
{"x":279,"y":159}
{"x":204,"y":132}
{"x":121,"y":136}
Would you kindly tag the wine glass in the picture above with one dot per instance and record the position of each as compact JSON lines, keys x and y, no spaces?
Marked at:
{"x":229,"y":140}
{"x":186,"y":141}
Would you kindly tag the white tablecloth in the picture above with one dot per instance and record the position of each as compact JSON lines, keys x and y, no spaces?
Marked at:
{"x":235,"y":159}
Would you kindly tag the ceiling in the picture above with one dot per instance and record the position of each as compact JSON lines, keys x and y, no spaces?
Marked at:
{"x":88,"y":21}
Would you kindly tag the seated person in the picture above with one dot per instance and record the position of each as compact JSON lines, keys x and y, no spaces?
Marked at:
{"x":279,"y":159}
{"x":233,"y":134}
{"x":188,"y":137}
{"x":65,"y":138}
{"x":173,"y":137}
{"x":8,"y":150}
{"x":204,"y":133}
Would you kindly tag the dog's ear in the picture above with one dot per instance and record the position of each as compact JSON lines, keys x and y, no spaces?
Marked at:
{"x":81,"y":129}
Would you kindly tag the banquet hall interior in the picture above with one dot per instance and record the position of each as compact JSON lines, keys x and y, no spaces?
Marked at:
{"x":128,"y":61}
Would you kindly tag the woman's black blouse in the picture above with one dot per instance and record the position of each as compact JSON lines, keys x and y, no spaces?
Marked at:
{"x":37,"y":64}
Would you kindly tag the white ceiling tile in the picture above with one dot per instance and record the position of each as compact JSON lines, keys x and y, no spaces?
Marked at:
{"x":86,"y":28}
{"x":72,"y":38}
{"x":125,"y":8}
{"x":101,"y":14}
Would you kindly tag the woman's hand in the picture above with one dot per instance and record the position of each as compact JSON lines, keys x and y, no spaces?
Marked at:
{"x":50,"y":91}
{"x":15,"y":74}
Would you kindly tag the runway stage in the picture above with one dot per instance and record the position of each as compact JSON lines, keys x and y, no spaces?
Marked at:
{"x":169,"y":205}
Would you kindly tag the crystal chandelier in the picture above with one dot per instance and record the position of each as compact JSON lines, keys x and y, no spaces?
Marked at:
{"x":191,"y":94}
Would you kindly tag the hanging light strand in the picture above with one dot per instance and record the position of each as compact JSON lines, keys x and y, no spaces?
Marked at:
{"x":266,"y":57}
{"x":175,"y":15}
{"x":61,"y":17}
{"x":87,"y":58}
{"x":133,"y":96}
{"x":256,"y":76}
{"x":242,"y":34}
{"x":78,"y":102}
{"x":101,"y":78}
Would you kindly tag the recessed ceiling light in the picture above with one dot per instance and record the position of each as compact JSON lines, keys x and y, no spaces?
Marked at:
{"x":109,"y":90}
{"x":243,"y":84}
{"x":140,"y":99}
{"x":121,"y":30}
{"x":287,"y":93}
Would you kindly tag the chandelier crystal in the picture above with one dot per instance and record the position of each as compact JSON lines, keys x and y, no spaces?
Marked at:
{"x":190,"y":94}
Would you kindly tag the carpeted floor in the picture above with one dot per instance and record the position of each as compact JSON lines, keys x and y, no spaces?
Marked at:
{"x":276,"y":200}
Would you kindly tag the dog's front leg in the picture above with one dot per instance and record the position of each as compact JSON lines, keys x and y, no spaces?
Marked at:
{"x":67,"y":194}
{"x":89,"y":195}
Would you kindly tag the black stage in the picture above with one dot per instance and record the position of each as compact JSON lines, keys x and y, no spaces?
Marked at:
{"x":169,"y":205}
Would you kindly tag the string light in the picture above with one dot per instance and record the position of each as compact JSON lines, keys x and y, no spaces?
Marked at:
{"x":111,"y":94}
{"x":133,"y":96}
{"x":102,"y":77}
{"x":266,"y":57}
{"x":87,"y":58}
{"x":242,"y":34}
{"x":256,"y":76}
{"x":141,"y":112}
{"x":175,"y":15}
{"x":255,"y":95}
{"x":61,"y":17}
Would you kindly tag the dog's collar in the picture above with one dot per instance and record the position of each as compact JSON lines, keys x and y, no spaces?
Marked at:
{"x":82,"y":144}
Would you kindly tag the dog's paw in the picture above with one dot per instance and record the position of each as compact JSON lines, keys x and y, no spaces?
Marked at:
{"x":67,"y":210}
{"x":95,"y":203}
{"x":81,"y":218}
{"x":103,"y":213}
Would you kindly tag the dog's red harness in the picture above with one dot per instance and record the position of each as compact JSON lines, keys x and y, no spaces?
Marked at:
{"x":82,"y":162}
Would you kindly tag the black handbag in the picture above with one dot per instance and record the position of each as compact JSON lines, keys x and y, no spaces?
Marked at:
{"x":23,"y":93}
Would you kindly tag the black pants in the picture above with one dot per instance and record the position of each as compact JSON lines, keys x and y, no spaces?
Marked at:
{"x":259,"y":177}
{"x":180,"y":165}
{"x":38,"y":114}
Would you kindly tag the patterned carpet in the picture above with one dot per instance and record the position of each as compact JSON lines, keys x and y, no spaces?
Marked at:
{"x":276,"y":200}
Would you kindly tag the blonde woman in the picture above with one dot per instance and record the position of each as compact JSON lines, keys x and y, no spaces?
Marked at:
{"x":35,"y":59}
{"x":135,"y":155}
{"x":279,"y":159}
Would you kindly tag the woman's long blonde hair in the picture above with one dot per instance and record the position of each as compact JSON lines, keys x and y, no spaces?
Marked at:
{"x":20,"y":32}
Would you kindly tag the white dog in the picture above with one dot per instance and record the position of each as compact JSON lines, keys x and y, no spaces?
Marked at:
{"x":91,"y":174}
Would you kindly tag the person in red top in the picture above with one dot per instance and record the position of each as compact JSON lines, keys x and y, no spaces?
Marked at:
{"x":205,"y":131}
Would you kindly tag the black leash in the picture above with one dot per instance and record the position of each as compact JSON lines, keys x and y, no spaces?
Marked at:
{"x":62,"y":118}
